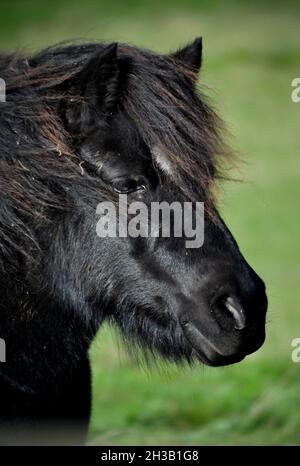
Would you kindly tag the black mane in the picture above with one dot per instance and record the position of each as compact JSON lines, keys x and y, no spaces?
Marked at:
{"x":39,"y":165}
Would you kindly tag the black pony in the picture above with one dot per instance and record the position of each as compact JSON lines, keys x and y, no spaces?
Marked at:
{"x":80,"y":124}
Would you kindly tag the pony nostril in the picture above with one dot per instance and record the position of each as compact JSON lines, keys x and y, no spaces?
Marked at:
{"x":236,"y":310}
{"x":229,"y":312}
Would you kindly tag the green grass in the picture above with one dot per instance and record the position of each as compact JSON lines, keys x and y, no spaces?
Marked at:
{"x":250,"y":59}
{"x":255,"y":402}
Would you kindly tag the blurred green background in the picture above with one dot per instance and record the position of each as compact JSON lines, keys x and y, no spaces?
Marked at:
{"x":251,"y":55}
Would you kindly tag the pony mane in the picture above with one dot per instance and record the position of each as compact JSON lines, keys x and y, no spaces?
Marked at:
{"x":39,"y":167}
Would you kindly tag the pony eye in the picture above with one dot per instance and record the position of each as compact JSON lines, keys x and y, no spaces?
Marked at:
{"x":129,"y":185}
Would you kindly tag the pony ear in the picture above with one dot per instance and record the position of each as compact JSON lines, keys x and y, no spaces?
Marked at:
{"x":191,"y":55}
{"x":93,"y":92}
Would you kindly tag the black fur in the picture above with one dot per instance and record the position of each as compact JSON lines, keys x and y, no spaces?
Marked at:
{"x":76,"y":118}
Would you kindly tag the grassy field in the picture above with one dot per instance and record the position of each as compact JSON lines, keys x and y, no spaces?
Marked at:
{"x":250,"y":59}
